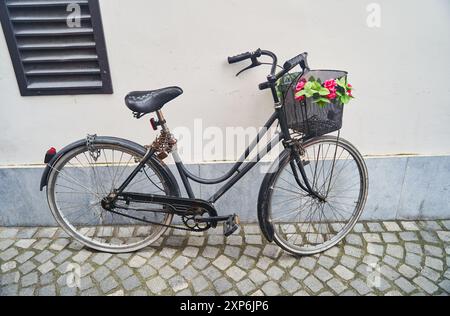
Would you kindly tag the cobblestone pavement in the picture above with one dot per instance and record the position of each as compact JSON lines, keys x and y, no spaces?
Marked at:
{"x":378,"y":258}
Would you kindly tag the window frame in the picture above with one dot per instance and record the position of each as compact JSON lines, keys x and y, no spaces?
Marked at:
{"x":100,"y":45}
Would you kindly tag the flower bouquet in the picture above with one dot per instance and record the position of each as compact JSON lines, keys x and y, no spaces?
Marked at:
{"x":324,"y":93}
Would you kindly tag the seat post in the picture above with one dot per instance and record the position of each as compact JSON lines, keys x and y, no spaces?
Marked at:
{"x":162,"y":121}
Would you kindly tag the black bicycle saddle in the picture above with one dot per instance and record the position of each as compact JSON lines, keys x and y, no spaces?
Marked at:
{"x":144,"y":102}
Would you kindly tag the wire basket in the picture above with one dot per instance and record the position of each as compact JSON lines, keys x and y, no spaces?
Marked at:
{"x":307,"y":117}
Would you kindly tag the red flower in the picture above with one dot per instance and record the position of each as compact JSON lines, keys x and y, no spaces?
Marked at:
{"x":350,"y":93}
{"x":300,"y":98}
{"x":301,"y":84}
{"x":330,"y":84}
{"x":332,"y":96}
{"x":350,"y":87}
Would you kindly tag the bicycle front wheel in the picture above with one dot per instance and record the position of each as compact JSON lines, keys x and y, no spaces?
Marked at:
{"x":82,"y":178}
{"x":304,"y":225}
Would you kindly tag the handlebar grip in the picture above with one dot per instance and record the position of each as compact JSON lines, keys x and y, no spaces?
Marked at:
{"x":264,"y":86}
{"x":301,"y":60}
{"x":239,"y":58}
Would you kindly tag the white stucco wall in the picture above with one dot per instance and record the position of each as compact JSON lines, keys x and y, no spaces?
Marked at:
{"x":401,"y":72}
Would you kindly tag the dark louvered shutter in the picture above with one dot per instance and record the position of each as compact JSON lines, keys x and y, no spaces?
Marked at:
{"x":50,"y":55}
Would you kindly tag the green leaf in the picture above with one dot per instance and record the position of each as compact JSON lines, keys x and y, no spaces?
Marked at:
{"x":308,"y":85}
{"x":322,"y":102}
{"x":300,"y":94}
{"x":345,"y":99}
{"x":309,"y":93}
{"x":324,"y":91}
{"x":342,"y":83}
{"x":317,"y":86}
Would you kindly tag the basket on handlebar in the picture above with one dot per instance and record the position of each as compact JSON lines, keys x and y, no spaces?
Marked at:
{"x":306,"y":116}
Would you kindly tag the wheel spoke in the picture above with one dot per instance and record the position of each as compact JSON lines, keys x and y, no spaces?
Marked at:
{"x":334,"y":172}
{"x":79,"y":186}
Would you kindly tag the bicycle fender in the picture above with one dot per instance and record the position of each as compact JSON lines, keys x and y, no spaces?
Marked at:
{"x":263,"y":204}
{"x":113,"y":141}
{"x":51,"y":164}
{"x":264,"y":223}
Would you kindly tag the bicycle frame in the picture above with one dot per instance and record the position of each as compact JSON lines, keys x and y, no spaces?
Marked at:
{"x":236,"y":173}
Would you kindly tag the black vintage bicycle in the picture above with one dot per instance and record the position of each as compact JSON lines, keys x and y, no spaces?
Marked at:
{"x":117,"y":196}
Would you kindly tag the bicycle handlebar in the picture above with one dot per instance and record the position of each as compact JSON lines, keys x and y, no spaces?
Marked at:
{"x":301,"y":60}
{"x":242,"y":57}
{"x":273,"y":77}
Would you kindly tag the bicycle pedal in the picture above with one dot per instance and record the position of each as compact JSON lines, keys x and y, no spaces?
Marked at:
{"x":231,"y":225}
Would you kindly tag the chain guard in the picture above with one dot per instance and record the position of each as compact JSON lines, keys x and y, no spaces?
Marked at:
{"x":186,"y":219}
{"x":189,"y":210}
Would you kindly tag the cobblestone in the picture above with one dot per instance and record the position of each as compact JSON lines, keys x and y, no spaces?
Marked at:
{"x":271,"y":288}
{"x":299,"y":273}
{"x":275,"y":273}
{"x":156,"y":285}
{"x":344,"y":273}
{"x":199,"y":284}
{"x":25,"y":243}
{"x":246,"y":286}
{"x":323,"y":274}
{"x":101,"y":258}
{"x":8,"y":254}
{"x":405,"y":285}
{"x":313,"y":284}
{"x":180,"y":262}
{"x":377,"y":258}
{"x":131,"y":283}
{"x":6,"y":233}
{"x":167,"y":272}
{"x":360,"y":286}
{"x":123,"y":272}
{"x":236,"y":273}
{"x":233,"y":252}
{"x":426,"y":284}
{"x":389,"y":238}
{"x":46,"y":267}
{"x":222,"y":285}
{"x":290,"y":285}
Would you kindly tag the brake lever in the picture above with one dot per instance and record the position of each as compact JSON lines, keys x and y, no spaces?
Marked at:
{"x":255,"y":63}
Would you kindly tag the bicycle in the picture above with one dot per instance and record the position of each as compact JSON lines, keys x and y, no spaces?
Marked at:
{"x":117,"y":196}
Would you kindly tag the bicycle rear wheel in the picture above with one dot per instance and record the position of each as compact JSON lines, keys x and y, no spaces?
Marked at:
{"x":80,"y":180}
{"x":303,"y":225}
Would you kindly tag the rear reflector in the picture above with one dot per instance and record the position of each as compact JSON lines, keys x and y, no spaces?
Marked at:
{"x":51,"y":153}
